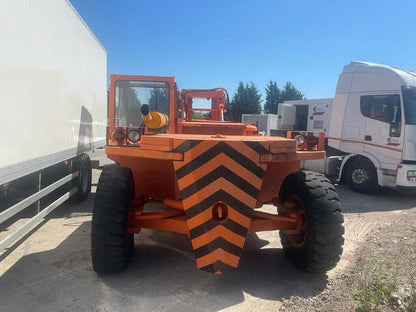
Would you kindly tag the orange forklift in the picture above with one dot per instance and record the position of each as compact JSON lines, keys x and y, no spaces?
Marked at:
{"x":211,"y":176}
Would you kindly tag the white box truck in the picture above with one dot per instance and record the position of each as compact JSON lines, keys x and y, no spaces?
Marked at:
{"x":264,"y":122}
{"x":372,"y":129}
{"x":311,"y":115}
{"x":53,"y":86}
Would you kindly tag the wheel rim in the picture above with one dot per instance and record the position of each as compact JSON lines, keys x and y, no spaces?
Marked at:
{"x":295,"y":204}
{"x":360,"y":175}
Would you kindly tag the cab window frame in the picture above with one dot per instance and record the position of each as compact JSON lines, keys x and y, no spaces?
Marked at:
{"x":382,"y":107}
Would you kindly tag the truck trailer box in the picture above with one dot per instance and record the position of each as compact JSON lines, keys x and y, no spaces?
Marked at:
{"x":53,"y":86}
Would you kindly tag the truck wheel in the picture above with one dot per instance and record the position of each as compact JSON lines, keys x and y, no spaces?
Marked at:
{"x":362,"y":176}
{"x":111,"y":244}
{"x":83,"y":181}
{"x":319,"y":245}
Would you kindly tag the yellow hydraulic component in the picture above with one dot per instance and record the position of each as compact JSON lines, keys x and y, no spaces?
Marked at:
{"x":153,"y":120}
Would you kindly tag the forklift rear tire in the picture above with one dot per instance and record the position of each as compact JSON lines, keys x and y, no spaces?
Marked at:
{"x":319,"y":246}
{"x":362,"y":176}
{"x":111,"y":244}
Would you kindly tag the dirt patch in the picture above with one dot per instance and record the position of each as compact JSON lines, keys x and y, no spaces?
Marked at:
{"x":381,"y":273}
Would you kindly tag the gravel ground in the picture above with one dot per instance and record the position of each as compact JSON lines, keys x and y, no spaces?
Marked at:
{"x":381,"y":275}
{"x":49,"y":269}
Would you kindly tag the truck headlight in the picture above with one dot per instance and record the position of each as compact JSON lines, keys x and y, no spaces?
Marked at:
{"x":134,"y":135}
{"x":411,"y":174}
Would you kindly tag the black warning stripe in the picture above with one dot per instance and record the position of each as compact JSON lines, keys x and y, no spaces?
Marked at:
{"x":218,"y":266}
{"x":186,"y":146}
{"x":219,"y":148}
{"x":211,"y":223}
{"x":225,"y":194}
{"x":219,"y":196}
{"x":216,"y":244}
{"x":220,"y":172}
{"x":258,"y":147}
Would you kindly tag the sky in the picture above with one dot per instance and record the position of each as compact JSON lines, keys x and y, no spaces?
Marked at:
{"x":207,"y":44}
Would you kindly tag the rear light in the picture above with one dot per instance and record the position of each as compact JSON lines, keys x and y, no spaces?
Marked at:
{"x":299,"y":140}
{"x":308,"y":140}
{"x":134,"y":135}
{"x":119,"y":135}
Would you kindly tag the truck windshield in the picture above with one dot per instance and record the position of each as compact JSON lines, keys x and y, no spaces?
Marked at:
{"x":409,"y":100}
{"x":130,"y":95}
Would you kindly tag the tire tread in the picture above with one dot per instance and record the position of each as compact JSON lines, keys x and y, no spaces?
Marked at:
{"x":111,"y":245}
{"x":323,"y":246}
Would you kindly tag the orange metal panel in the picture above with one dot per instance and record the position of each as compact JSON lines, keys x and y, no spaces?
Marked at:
{"x":259,"y":225}
{"x":273,"y":178}
{"x":137,"y":152}
{"x":306,"y":155}
{"x":175,"y":224}
{"x":153,"y":178}
{"x":195,"y":127}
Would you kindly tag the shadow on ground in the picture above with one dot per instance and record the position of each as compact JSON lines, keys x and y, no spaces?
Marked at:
{"x":384,"y":199}
{"x":161,"y":277}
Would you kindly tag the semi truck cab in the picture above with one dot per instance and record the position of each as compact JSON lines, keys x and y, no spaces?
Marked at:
{"x":373,"y":124}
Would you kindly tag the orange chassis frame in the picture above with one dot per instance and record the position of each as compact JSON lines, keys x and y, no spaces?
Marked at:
{"x":159,"y":147}
{"x":175,"y":220}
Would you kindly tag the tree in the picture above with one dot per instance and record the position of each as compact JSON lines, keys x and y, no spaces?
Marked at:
{"x":246,"y":100}
{"x":273,"y":98}
{"x":290,"y":92}
{"x":228,"y":112}
{"x":201,"y":115}
{"x":159,"y":100}
{"x":130,"y":107}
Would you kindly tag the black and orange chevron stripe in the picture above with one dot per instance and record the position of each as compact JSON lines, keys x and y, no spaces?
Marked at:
{"x":219,"y":183}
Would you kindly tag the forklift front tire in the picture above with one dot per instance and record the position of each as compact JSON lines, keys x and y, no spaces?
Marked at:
{"x":319,"y":245}
{"x":112,"y":245}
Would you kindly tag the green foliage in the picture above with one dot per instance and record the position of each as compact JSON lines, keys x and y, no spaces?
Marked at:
{"x":374,"y":293}
{"x":201,"y":115}
{"x":290,"y":92}
{"x":159,"y":100}
{"x":131,"y":107}
{"x":178,"y":101}
{"x":273,"y":98}
{"x":246,"y":100}
{"x":228,"y":113}
{"x":381,"y":280}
